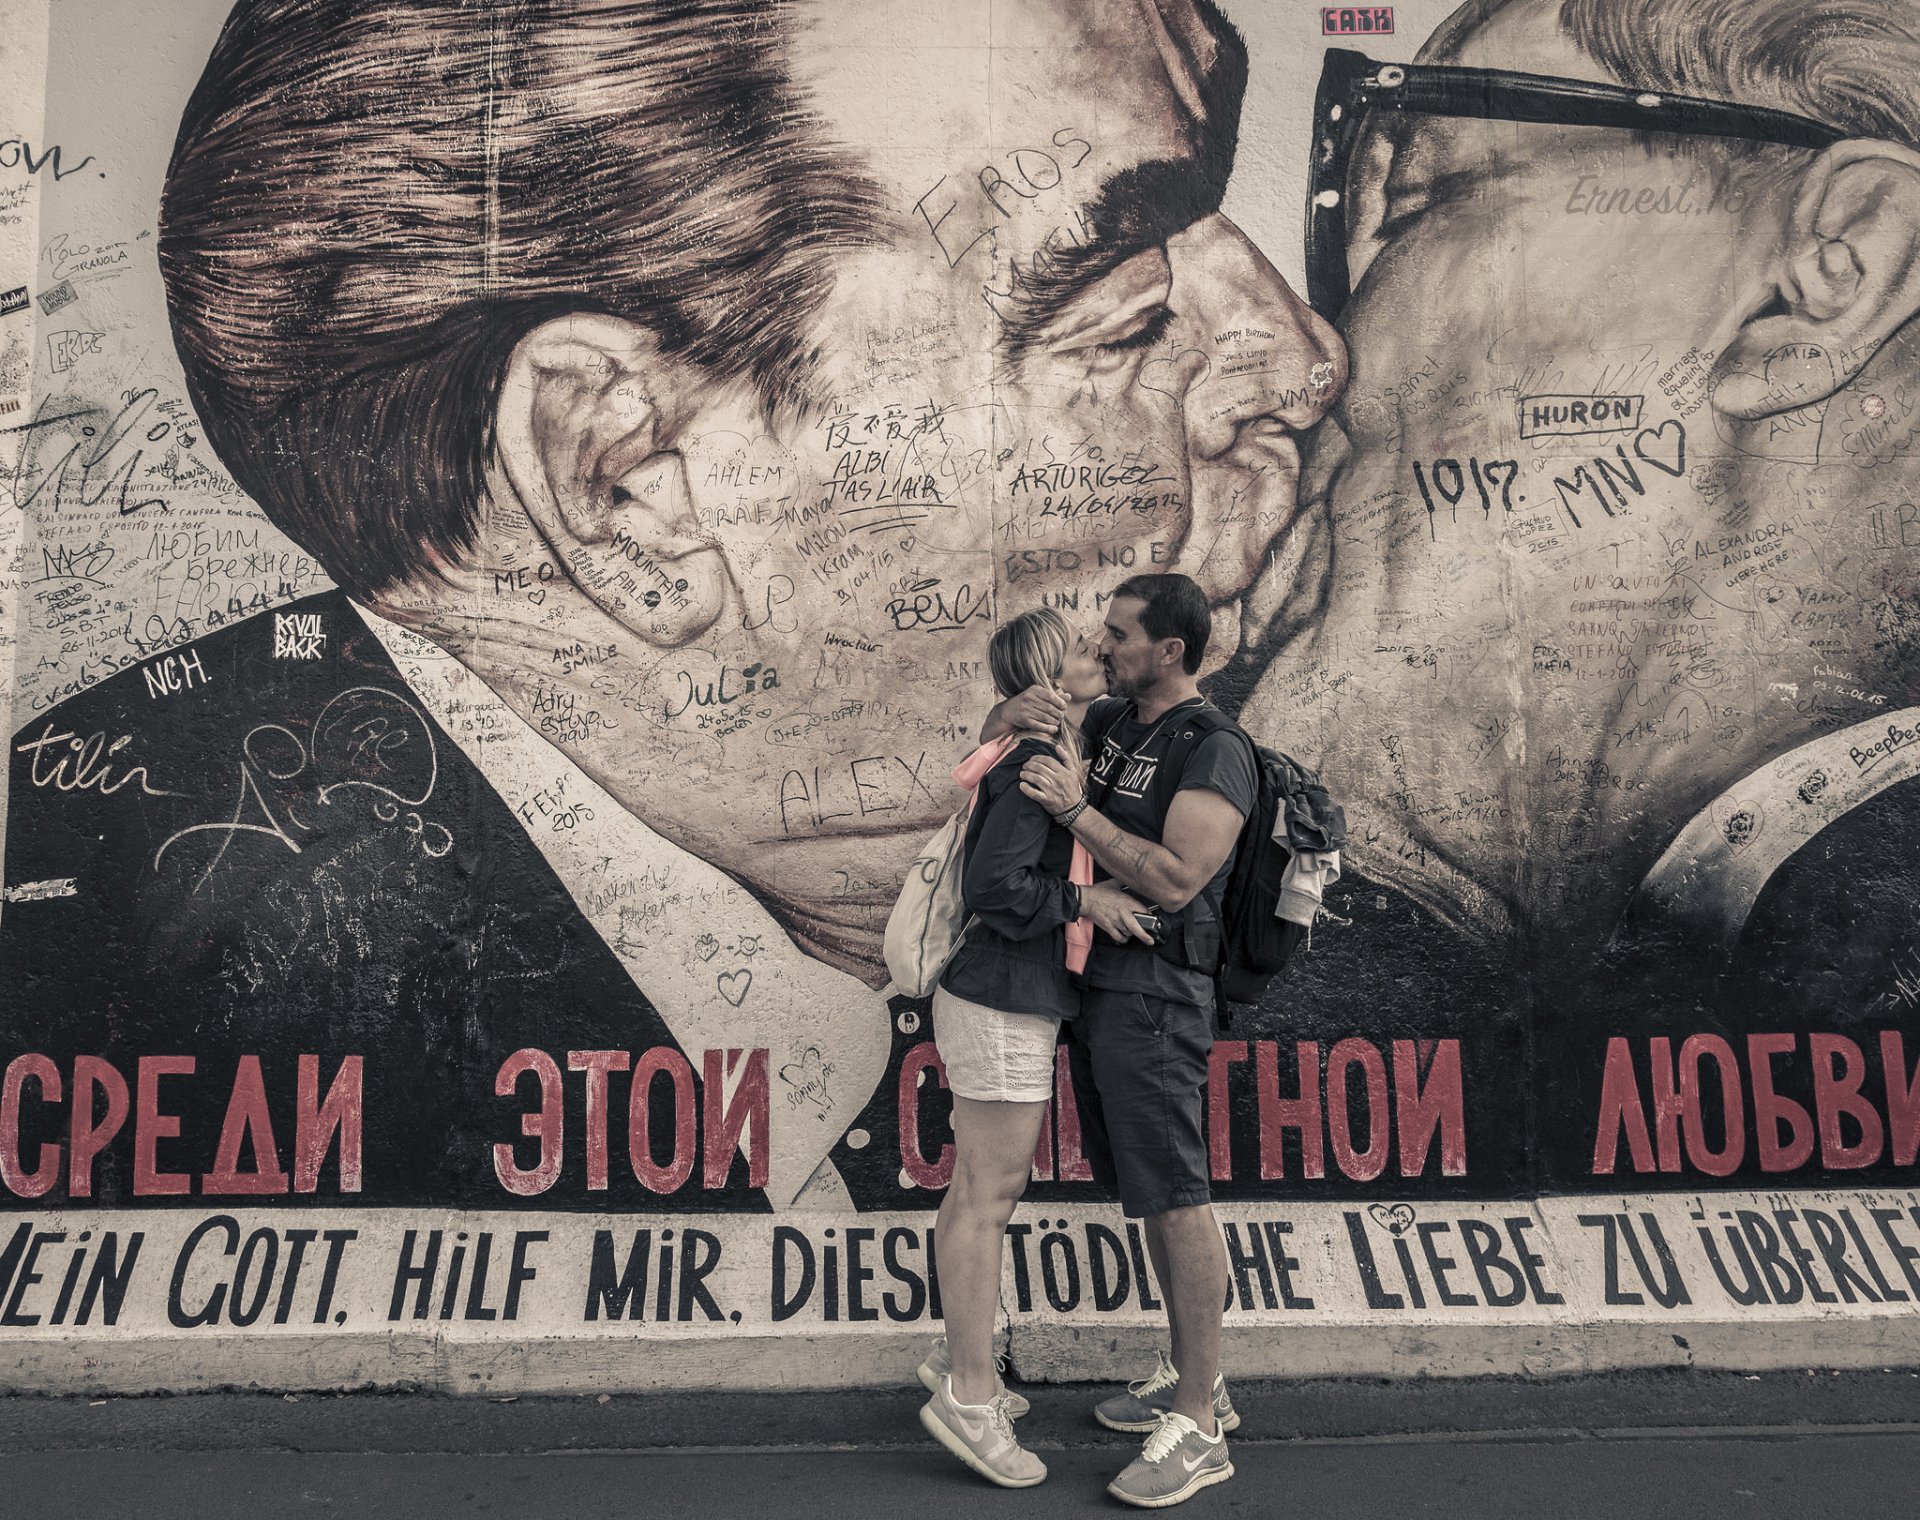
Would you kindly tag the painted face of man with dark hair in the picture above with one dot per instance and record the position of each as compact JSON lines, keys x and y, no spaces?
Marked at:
{"x":1595,"y":511}
{"x":761,"y":626}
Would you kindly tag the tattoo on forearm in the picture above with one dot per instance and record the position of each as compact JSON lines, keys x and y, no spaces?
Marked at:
{"x":1126,"y":855}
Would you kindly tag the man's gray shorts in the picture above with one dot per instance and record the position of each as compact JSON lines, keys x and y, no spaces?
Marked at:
{"x":1139,"y":1079}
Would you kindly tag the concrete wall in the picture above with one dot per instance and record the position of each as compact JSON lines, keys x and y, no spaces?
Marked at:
{"x":504,"y":511}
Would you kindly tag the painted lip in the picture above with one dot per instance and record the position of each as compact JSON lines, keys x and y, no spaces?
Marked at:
{"x":1238,"y":557}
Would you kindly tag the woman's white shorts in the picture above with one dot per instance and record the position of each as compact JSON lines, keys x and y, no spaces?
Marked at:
{"x":994,"y":1057}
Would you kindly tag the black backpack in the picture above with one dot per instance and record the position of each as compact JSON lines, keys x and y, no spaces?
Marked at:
{"x":1256,"y":945}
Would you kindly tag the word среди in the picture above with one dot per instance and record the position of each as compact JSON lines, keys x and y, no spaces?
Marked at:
{"x":317,"y":1126}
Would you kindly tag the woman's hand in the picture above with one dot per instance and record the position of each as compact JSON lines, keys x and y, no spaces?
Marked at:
{"x":1112,"y":909}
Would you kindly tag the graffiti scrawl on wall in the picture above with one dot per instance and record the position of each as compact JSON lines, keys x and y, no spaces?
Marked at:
{"x":506,"y":505}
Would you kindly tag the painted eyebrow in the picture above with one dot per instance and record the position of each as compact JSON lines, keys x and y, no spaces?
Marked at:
{"x":1137,"y":209}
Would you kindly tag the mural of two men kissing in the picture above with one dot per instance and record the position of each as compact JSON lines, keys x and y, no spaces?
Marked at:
{"x":674,"y":398}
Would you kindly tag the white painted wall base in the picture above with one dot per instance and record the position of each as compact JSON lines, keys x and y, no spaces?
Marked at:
{"x":1541,"y":1288}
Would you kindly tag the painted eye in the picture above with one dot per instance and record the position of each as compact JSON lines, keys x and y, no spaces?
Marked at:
{"x":1144,"y":336}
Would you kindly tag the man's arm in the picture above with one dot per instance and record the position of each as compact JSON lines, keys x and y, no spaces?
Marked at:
{"x":1203,"y":825}
{"x":1039,"y":709}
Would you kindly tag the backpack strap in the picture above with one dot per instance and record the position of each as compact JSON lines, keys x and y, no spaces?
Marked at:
{"x":1209,"y":720}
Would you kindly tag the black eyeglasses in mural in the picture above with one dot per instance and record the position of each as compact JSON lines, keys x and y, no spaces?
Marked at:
{"x":1353,"y":86}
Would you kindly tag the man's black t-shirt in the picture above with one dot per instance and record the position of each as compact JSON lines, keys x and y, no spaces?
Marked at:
{"x":1124,"y":771}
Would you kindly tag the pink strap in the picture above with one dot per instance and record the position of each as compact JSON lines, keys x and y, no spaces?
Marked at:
{"x":970,"y":772}
{"x":1080,"y":931}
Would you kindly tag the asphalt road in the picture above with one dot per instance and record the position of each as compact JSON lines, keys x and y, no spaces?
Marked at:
{"x":1663,"y":1445}
{"x":1850,"y":1476}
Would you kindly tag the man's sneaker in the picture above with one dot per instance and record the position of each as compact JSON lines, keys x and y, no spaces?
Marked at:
{"x":981,"y":1435}
{"x":1140,"y":1407}
{"x":939,"y":1364}
{"x":1176,"y":1463}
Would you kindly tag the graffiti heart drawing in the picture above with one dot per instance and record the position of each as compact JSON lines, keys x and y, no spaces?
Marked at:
{"x":1395,"y":1221}
{"x":1664,"y":447}
{"x":808,"y":1079}
{"x":1740,"y":822}
{"x":1176,"y":376}
{"x":733,"y":985}
{"x":706,"y":947}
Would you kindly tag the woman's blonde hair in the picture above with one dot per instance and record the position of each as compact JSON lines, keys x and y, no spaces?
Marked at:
{"x":1032,"y":650}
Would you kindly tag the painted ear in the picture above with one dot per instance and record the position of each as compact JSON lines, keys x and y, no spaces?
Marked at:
{"x":1848,"y":279}
{"x":585,"y":408}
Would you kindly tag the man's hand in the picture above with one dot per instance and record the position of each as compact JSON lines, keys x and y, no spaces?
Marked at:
{"x":1054,"y":781}
{"x":1113,"y":910}
{"x":1039,"y":709}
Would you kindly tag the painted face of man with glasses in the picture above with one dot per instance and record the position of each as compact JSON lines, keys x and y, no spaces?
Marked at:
{"x":1609,"y":517}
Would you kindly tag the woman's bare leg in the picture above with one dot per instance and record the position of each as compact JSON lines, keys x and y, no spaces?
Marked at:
{"x":993,"y":1157}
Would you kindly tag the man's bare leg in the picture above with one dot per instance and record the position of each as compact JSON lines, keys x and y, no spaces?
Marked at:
{"x":1191,"y":1262}
{"x":1157,"y":1254}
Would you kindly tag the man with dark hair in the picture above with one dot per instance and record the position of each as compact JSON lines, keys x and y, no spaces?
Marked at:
{"x":1171,"y":607}
{"x":1160,"y":809}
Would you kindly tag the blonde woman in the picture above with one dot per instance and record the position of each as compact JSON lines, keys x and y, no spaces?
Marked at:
{"x":996,"y":1015}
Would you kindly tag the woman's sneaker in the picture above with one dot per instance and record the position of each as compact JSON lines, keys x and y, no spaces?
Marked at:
{"x":939,"y":1364}
{"x":981,"y":1435}
{"x":1176,"y":1463}
{"x":1140,"y":1407}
